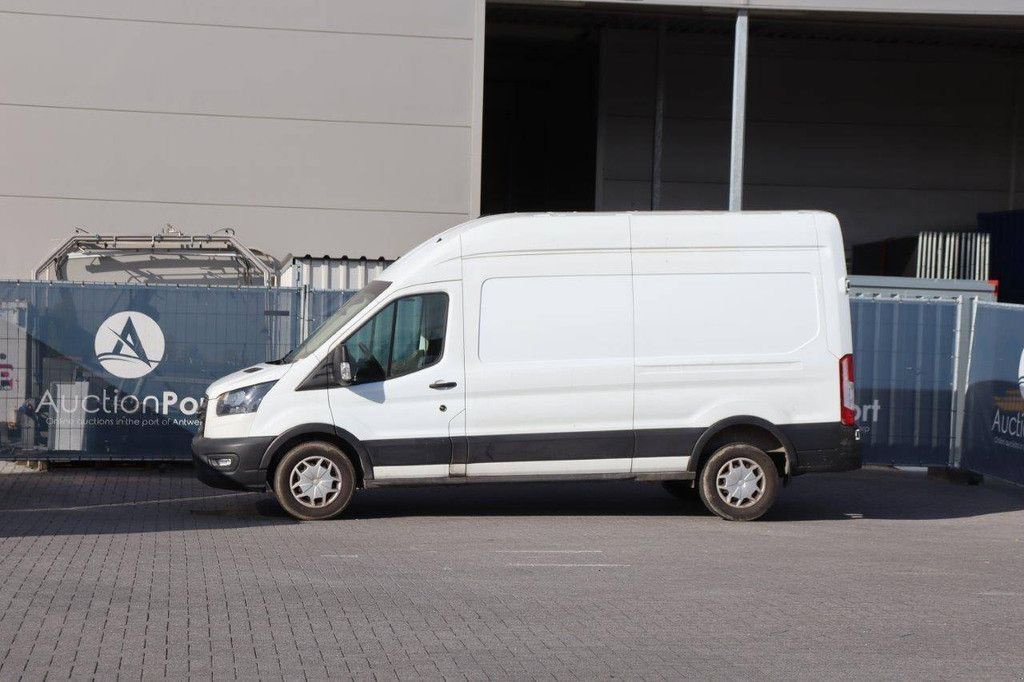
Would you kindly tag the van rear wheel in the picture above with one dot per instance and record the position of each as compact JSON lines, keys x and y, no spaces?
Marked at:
{"x":739,"y":482}
{"x":314,"y":481}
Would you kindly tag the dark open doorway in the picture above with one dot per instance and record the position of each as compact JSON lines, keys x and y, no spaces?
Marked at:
{"x":540,"y":122}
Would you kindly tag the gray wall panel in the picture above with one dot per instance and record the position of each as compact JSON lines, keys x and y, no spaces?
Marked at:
{"x":234,"y":71}
{"x":921,"y":158}
{"x":628,"y":148}
{"x":443,"y":18}
{"x":874,"y":214}
{"x":636,"y":195}
{"x":909,"y":86}
{"x":947,"y":210}
{"x":629,"y":72}
{"x":311,"y":126}
{"x":201,"y":159}
{"x":894,"y":137}
{"x":995,"y":7}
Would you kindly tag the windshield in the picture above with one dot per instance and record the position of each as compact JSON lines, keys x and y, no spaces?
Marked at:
{"x":332,"y":324}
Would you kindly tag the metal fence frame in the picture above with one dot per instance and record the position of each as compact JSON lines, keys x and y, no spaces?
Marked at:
{"x":905,"y":352}
{"x":958,"y":339}
{"x":987,"y":455}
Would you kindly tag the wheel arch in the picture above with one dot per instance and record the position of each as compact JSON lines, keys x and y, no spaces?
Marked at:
{"x":304,"y":433}
{"x":745,"y":429}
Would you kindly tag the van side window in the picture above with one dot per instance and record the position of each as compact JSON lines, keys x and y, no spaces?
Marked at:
{"x":404,"y":337}
{"x":419,"y":333}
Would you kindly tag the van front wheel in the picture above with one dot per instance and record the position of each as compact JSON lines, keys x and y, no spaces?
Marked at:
{"x":739,"y":482}
{"x":314,"y":481}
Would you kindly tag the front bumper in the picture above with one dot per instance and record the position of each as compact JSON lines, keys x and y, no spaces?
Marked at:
{"x":838,"y":450}
{"x":246,"y":455}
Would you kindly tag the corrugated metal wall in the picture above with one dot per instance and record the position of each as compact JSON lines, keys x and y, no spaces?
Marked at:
{"x":332,"y":274}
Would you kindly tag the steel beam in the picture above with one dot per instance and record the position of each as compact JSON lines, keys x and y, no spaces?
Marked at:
{"x":739,"y":105}
{"x":659,"y":120}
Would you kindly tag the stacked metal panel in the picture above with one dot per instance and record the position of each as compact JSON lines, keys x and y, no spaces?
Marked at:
{"x":953,"y":255}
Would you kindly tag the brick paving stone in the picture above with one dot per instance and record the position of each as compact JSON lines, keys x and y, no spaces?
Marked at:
{"x":137,"y":573}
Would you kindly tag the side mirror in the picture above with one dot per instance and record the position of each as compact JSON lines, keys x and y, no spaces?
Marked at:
{"x":342,"y":368}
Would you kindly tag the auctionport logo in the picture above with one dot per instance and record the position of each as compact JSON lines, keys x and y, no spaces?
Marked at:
{"x":1011,"y":422}
{"x":1020,"y":374}
{"x":129,"y":345}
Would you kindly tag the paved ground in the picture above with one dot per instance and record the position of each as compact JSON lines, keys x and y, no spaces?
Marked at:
{"x":139,"y":573}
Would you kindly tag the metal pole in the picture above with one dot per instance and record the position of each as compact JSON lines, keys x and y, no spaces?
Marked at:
{"x":305,"y":313}
{"x":602,"y":117}
{"x":739,"y":105}
{"x":1014,"y":125}
{"x":963,"y":355}
{"x":659,"y":120}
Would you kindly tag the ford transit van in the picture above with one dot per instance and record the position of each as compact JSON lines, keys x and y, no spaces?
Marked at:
{"x":710,"y":351}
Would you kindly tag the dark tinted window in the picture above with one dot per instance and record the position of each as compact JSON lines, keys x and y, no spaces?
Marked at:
{"x":404,"y":337}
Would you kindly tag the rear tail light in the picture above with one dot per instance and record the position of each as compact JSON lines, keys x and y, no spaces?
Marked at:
{"x":847,"y":404}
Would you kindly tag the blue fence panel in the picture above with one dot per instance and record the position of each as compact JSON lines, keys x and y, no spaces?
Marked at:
{"x":115,"y":372}
{"x":107,"y":372}
{"x":323,"y":304}
{"x":904,"y":355}
{"x":994,"y":428}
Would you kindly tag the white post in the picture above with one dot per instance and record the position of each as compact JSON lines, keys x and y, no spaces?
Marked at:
{"x":739,"y":104}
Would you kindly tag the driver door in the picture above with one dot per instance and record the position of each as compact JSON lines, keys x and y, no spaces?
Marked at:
{"x":408,"y":386}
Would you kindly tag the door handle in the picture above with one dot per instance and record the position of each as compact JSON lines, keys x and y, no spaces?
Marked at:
{"x":442,"y":385}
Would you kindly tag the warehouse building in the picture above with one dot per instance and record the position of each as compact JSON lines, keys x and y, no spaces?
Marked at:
{"x":362,"y":127}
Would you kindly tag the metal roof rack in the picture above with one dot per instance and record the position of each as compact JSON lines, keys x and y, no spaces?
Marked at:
{"x":168,"y":249}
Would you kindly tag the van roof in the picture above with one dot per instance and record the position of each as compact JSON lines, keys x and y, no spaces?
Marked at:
{"x":587,"y":231}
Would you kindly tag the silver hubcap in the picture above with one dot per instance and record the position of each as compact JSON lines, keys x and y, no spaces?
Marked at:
{"x":315,"y":482}
{"x":740,"y":482}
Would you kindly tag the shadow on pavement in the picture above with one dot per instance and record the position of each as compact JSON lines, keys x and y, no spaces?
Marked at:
{"x":872,"y":493}
{"x":882,"y":493}
{"x":140,"y":500}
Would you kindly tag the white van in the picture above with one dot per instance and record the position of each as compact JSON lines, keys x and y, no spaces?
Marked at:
{"x":711,"y":351}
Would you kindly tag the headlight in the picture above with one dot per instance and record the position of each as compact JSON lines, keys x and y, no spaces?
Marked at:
{"x":242,"y":400}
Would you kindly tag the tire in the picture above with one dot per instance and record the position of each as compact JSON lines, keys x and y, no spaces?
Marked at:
{"x":739,"y":482}
{"x":323,"y":473}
